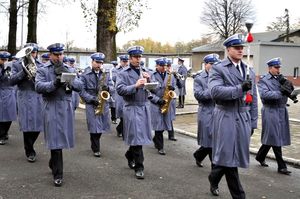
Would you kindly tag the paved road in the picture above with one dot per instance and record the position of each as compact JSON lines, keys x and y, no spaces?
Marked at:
{"x":172,"y":176}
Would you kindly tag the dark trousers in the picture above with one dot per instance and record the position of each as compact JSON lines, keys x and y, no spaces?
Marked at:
{"x":119,"y":128}
{"x":113,"y":113}
{"x":4,"y":127}
{"x":29,"y":140}
{"x":181,"y":99}
{"x":171,"y":132}
{"x":232,"y":178}
{"x":136,"y":153}
{"x":158,"y":140}
{"x":202,"y":152}
{"x":95,"y":141}
{"x":56,"y":163}
{"x":263,"y":151}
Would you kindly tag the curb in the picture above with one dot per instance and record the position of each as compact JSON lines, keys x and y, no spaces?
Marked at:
{"x":290,"y":161}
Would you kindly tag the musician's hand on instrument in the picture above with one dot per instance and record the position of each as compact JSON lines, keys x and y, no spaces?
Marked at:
{"x":246,"y":85}
{"x":286,"y":90}
{"x":161,"y":102}
{"x":105,"y":88}
{"x":140,"y":83}
{"x":95,"y":102}
{"x":171,"y":88}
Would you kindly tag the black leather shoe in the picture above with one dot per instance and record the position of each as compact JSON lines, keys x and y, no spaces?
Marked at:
{"x":214,"y":190}
{"x":199,"y":163}
{"x":262,"y":163}
{"x":58,"y":182}
{"x":97,"y":154}
{"x":2,"y":142}
{"x":284,"y":171}
{"x":114,"y":121}
{"x":161,"y":152}
{"x":131,"y":163}
{"x":139,"y":174}
{"x":31,"y":158}
{"x":172,"y":139}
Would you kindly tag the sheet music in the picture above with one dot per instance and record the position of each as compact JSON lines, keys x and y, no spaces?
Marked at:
{"x":67,"y":77}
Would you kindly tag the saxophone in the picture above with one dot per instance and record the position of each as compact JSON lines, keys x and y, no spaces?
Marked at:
{"x":168,"y":96}
{"x":102,"y":96}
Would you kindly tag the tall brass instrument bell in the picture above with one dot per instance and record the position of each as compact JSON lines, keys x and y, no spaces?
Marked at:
{"x":30,"y":67}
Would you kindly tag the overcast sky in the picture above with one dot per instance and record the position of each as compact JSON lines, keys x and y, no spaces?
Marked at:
{"x":166,"y":21}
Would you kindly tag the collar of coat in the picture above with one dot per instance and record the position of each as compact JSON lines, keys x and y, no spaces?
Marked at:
{"x":227,"y":62}
{"x":128,"y":68}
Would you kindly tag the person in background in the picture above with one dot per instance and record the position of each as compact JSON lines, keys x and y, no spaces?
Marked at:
{"x":274,"y":91}
{"x":161,"y":121}
{"x":205,"y":110}
{"x":58,"y":114}
{"x":136,"y":109}
{"x":45,"y":57}
{"x":112,"y":101}
{"x":72,"y":62}
{"x":30,"y":109}
{"x":8,"y":106}
{"x":233,"y":117}
{"x":119,"y":99}
{"x":94,"y":83}
{"x":182,"y":70}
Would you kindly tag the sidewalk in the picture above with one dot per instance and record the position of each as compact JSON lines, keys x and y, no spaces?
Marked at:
{"x":186,"y":123}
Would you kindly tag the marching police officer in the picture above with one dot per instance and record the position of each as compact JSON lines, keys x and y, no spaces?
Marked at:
{"x":29,"y":101}
{"x":205,"y":110}
{"x":95,"y":83}
{"x":45,"y":57}
{"x":8,"y":107}
{"x":161,"y":121}
{"x":58,"y":109}
{"x":182,"y":70}
{"x":71,"y":62}
{"x":233,"y":118}
{"x":112,"y":101}
{"x":136,"y":111}
{"x":274,"y":91}
{"x":119,"y":99}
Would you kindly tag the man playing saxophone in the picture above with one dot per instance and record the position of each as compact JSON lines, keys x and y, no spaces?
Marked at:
{"x":95,"y":92}
{"x":163,"y":96}
{"x":29,"y":101}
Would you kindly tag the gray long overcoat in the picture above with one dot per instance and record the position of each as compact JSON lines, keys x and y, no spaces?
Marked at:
{"x":112,"y":99}
{"x":205,"y":109}
{"x":275,"y":118}
{"x":183,"y":71}
{"x":96,"y":123}
{"x":161,"y":121}
{"x":8,"y":106}
{"x":136,"y":111}
{"x":232,"y":118}
{"x":118,"y":98}
{"x":30,"y":112}
{"x":58,"y":109}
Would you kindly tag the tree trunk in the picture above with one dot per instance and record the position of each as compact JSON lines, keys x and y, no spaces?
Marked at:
{"x":32,"y":21}
{"x":107,"y":28}
{"x":12,"y":33}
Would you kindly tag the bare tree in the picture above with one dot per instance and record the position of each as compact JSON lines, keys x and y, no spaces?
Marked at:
{"x":226,"y":17}
{"x":32,"y":21}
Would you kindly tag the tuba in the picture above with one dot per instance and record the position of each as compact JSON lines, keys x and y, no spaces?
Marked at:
{"x":168,"y":96}
{"x":30,"y":68}
{"x":102,"y":96}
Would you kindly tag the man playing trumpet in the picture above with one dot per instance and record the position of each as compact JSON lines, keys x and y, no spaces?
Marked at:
{"x":96,"y":87}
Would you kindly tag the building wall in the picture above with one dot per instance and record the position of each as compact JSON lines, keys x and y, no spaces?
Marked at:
{"x":197,"y":59}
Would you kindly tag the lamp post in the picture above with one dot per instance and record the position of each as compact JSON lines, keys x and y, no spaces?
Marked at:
{"x":287,"y":24}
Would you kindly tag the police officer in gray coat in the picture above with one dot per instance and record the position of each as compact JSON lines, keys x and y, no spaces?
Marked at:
{"x":119,"y":99}
{"x":205,"y":110}
{"x":233,"y":118}
{"x":112,"y":100}
{"x":95,"y":82}
{"x":8,"y":107}
{"x":136,"y":111}
{"x":182,"y":70}
{"x":274,"y":91}
{"x":161,"y":121}
{"x":58,"y":113}
{"x":29,"y":101}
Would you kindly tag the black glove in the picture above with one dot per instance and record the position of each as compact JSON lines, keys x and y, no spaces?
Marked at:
{"x":171,"y":88}
{"x":57,"y":82}
{"x":281,"y":79}
{"x":161,"y":102}
{"x":246,"y":85}
{"x":105,"y":88}
{"x":95,"y":102}
{"x":286,"y":90}
{"x":59,"y":68}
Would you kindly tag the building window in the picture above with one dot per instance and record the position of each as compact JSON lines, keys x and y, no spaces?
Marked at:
{"x":296,"y":72}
